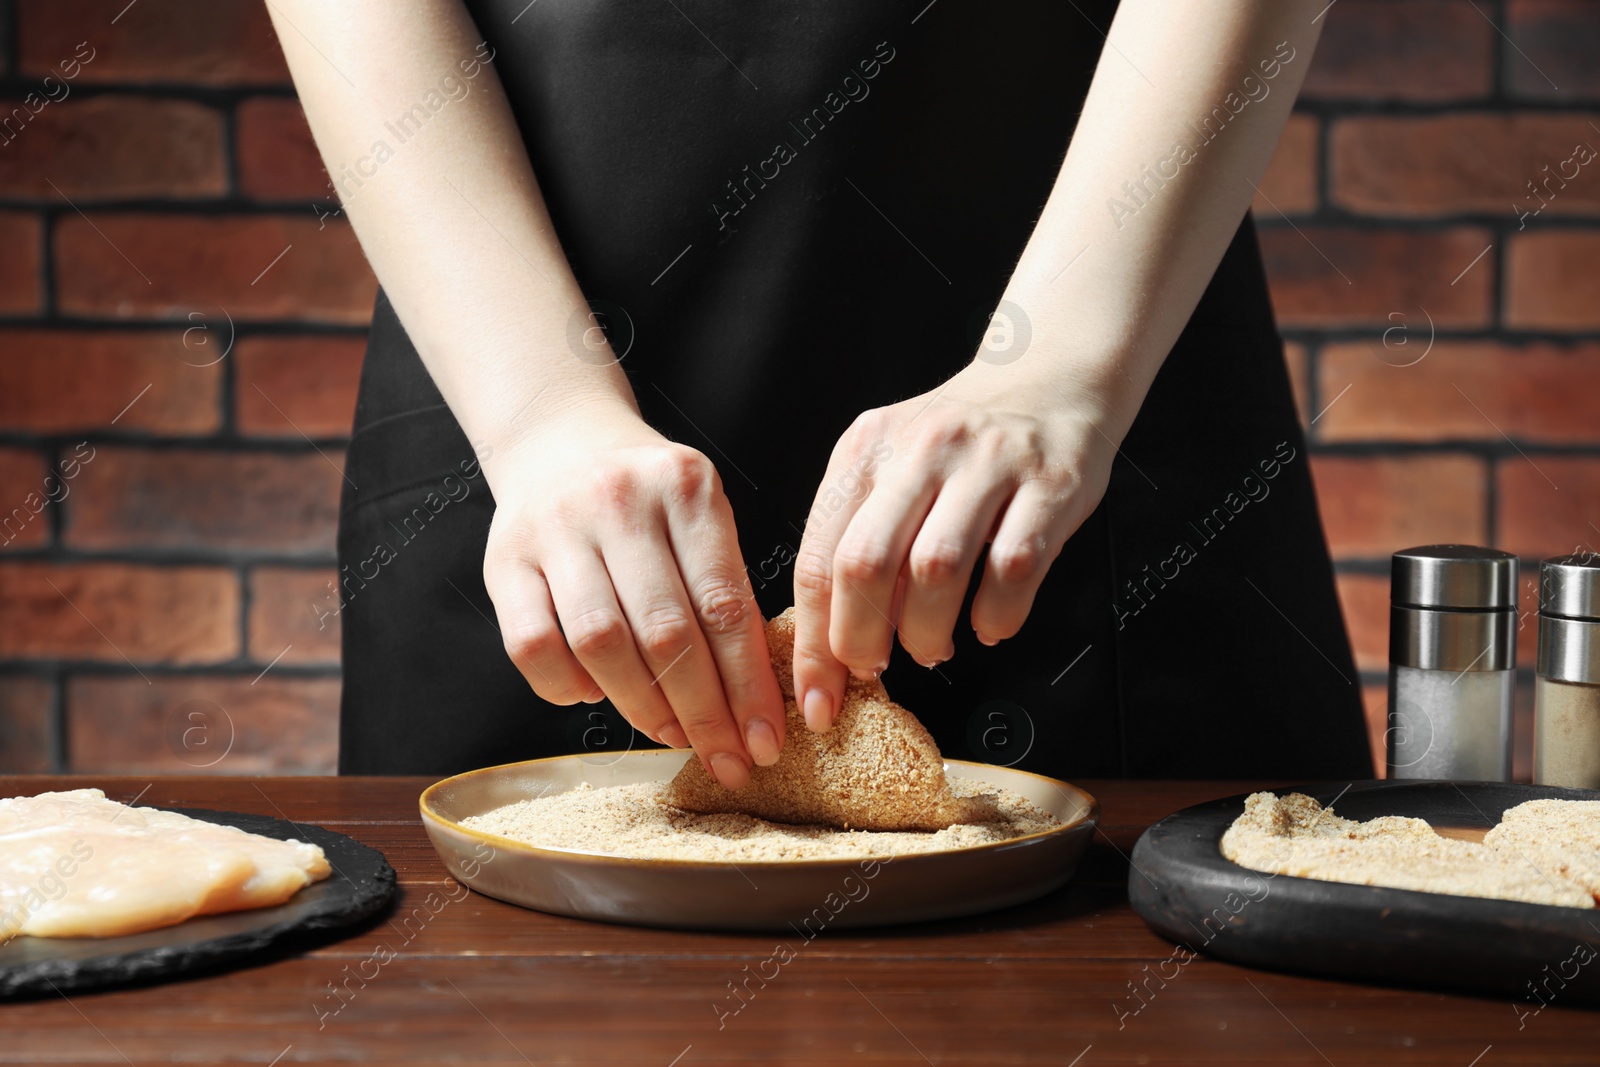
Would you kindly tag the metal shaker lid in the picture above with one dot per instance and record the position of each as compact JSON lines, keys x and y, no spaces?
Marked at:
{"x":1457,"y":577}
{"x":1570,"y":586}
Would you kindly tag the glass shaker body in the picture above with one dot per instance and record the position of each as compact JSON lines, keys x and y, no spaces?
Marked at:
{"x":1472,"y":739}
{"x":1452,"y":669}
{"x":1566,"y":710}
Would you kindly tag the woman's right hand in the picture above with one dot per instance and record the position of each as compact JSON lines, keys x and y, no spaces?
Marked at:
{"x":615,"y":571}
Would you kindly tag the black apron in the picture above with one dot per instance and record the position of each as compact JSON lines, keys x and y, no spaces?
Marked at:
{"x":788,"y":215}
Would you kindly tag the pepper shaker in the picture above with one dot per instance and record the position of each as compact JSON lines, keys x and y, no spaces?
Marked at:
{"x":1566,"y":697}
{"x":1452,"y":663}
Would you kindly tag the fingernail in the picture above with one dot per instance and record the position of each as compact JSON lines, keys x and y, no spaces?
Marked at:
{"x":990,"y":641}
{"x":672,"y":734}
{"x":595,"y":697}
{"x":729,"y":770}
{"x":762,"y":742}
{"x":819,"y":711}
{"x":869,"y":676}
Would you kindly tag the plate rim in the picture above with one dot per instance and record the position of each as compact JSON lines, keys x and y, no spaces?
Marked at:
{"x":1090,"y":817}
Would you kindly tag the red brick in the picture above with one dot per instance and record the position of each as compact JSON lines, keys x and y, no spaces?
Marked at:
{"x":289,"y":607}
{"x":1550,"y":54}
{"x":170,"y":41}
{"x":1365,"y":600}
{"x":22,"y":238}
{"x":1428,"y":166}
{"x":1459,"y":390}
{"x":1373,"y":507}
{"x":287,"y":386}
{"x":277,"y":159}
{"x":226,"y":724}
{"x":108,"y":611}
{"x":24,"y":498}
{"x":215,"y":501}
{"x":1547,"y":505}
{"x":1322,"y":276}
{"x":1298,"y":360}
{"x":1375,"y":699}
{"x":1290,"y":184}
{"x":1551,"y":281}
{"x":116,"y":147}
{"x":25,"y":724}
{"x":1528,"y":615}
{"x":55,"y":381}
{"x":203,"y":262}
{"x":1416,"y":50}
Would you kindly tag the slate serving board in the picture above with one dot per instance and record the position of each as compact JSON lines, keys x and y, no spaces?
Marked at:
{"x":362,"y":882}
{"x":1187,"y":892}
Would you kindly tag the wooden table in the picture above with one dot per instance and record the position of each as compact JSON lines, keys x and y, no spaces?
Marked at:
{"x":477,"y":981}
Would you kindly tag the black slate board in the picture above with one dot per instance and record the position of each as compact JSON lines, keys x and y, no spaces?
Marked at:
{"x":362,"y":882}
{"x":1187,"y":892}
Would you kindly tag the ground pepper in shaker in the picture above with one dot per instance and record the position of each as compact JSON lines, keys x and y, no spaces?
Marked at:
{"x":1452,"y":663}
{"x":1566,"y":697}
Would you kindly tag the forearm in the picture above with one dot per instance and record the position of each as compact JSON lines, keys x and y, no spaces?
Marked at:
{"x":1153,"y":188}
{"x":448,"y":211}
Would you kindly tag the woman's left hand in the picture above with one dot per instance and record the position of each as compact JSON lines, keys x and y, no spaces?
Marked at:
{"x":912,"y":493}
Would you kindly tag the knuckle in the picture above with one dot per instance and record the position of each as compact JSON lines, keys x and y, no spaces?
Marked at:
{"x":942,"y":434}
{"x":862,"y":561}
{"x":615,"y":488}
{"x":686,"y":471}
{"x":813,"y":574}
{"x":935,"y":564}
{"x":707,"y":725}
{"x":598,"y":635}
{"x":663,"y":632}
{"x":530,"y":644}
{"x":1017,"y":561}
{"x":721,"y":604}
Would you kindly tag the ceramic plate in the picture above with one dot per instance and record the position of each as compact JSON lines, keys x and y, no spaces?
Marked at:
{"x":752,"y":895}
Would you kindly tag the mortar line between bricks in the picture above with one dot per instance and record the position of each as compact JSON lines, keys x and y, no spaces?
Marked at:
{"x":231,"y":669}
{"x":1456,"y":222}
{"x":187,"y":206}
{"x":1372,"y":331}
{"x":15,"y":82}
{"x":293,"y":446}
{"x":243,"y":329}
{"x":144,"y":556}
{"x":1324,"y":107}
{"x":238,"y":206}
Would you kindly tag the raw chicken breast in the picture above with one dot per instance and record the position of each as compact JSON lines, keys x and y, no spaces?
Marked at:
{"x":74,"y":864}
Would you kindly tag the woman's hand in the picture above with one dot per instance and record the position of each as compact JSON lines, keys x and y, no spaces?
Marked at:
{"x":912,"y":493}
{"x":626,"y":540}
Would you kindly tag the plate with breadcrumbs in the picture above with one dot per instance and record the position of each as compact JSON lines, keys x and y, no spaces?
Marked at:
{"x":1492,"y":887}
{"x":863,"y":825}
{"x":602,"y":839}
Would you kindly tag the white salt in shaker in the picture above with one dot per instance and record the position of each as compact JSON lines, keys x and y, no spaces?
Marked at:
{"x":1452,"y":663}
{"x":1566,"y":709}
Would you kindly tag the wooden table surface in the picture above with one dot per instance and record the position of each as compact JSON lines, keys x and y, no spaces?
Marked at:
{"x":473,"y":980}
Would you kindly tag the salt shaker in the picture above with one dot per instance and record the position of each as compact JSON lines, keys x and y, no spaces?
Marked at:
{"x":1566,"y":696}
{"x":1452,"y":662}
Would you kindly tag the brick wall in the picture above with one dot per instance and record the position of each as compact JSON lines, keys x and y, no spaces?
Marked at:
{"x":156,"y":213}
{"x":1421,"y":124}
{"x":166,"y":209}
